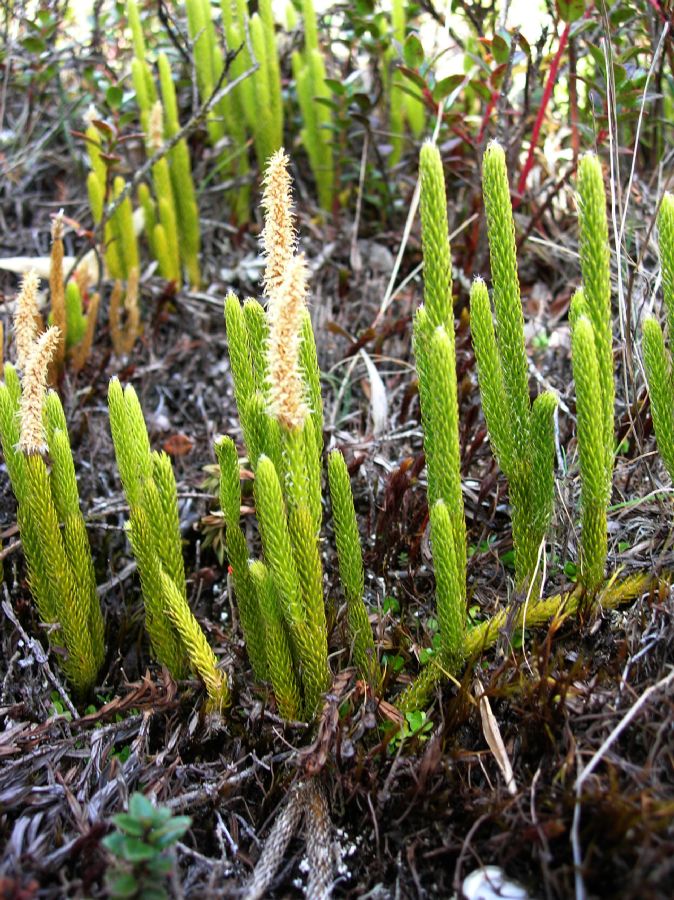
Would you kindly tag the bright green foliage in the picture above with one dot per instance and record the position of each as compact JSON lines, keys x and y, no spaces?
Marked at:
{"x":658,"y":364}
{"x":666,"y":243}
{"x":142,"y":844}
{"x":596,"y":271}
{"x":295,"y":570}
{"x":149,"y":208}
{"x":202,"y":658}
{"x":592,"y":352}
{"x":165,"y":237}
{"x":543,"y":459}
{"x":252,"y":621}
{"x":267,"y":86}
{"x":76,"y":320}
{"x":241,"y":112}
{"x":316,"y":134}
{"x":436,"y":368}
{"x":435,"y":241}
{"x":54,"y":538}
{"x":272,"y":72}
{"x":310,"y":24}
{"x":247,"y":336}
{"x":351,"y":569}
{"x":10,"y":396}
{"x":313,"y":427}
{"x":506,"y":293}
{"x":142,"y":76}
{"x":281,"y":602}
{"x":521,"y":436}
{"x":277,"y":643}
{"x":154,"y":532}
{"x":202,"y":34}
{"x":126,"y":233}
{"x":591,"y":446}
{"x":658,"y":358}
{"x":492,"y":388}
{"x":450,"y":580}
{"x":181,"y":178}
{"x":238,"y":113}
{"x":258,"y":332}
{"x":241,"y":360}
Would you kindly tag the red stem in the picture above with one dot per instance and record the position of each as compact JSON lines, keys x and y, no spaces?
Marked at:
{"x":485,"y":118}
{"x":547,"y":94}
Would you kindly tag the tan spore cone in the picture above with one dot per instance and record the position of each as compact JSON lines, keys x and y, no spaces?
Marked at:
{"x":285,"y":286}
{"x":57,"y":293}
{"x":33,"y":392}
{"x":287,"y":303}
{"x":279,"y":240}
{"x":26,"y":318}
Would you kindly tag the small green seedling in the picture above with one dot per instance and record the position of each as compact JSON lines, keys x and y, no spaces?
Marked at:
{"x":416,"y":725}
{"x":143,"y":847}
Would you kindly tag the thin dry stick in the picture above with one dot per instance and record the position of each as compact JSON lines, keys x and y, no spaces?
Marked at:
{"x":631,"y":714}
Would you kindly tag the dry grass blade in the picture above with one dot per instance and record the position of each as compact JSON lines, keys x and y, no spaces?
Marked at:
{"x":378,"y":398}
{"x":492,"y":734}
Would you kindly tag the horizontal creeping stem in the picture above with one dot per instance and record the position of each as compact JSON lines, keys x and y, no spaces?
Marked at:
{"x":529,"y":615}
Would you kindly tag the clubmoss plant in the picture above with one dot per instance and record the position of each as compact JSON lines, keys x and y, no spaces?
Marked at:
{"x":154,"y":531}
{"x":253,"y":38}
{"x":658,"y":356}
{"x":351,"y":573}
{"x":238,"y":110}
{"x":592,"y":357}
{"x":521,"y":435}
{"x":165,"y":238}
{"x":180,"y":167}
{"x":591,"y":445}
{"x":596,"y":272}
{"x":277,"y":390}
{"x":436,"y":368}
{"x":53,"y":533}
